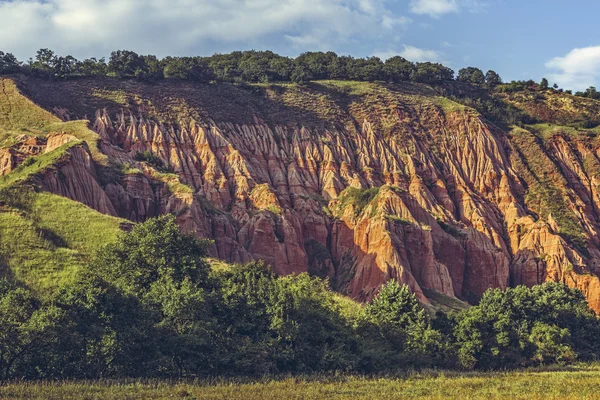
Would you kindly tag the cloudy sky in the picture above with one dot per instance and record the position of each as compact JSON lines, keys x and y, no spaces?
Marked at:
{"x":520,"y":39}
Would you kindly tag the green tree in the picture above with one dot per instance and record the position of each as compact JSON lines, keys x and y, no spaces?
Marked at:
{"x":165,"y":269}
{"x":152,"y":70}
{"x":497,"y":332}
{"x":246,"y":293}
{"x":254,"y":66}
{"x":107,"y":333}
{"x":591,"y":93}
{"x":395,"y":305}
{"x":338,"y":68}
{"x":471,"y":75}
{"x":399,"y":318}
{"x":27,"y":331}
{"x":397,"y":69}
{"x":187,"y":68}
{"x":65,"y":67}
{"x":8,"y":63}
{"x":544,"y":84}
{"x":300,"y":75}
{"x":225,"y":66}
{"x":44,"y":63}
{"x":427,"y":72}
{"x":369,"y":69}
{"x":492,"y":79}
{"x":281,"y":68}
{"x":309,"y":333}
{"x":315,"y":64}
{"x":126,"y":64}
{"x":92,"y":67}
{"x":191,"y":343}
{"x":552,"y":344}
{"x":151,"y":252}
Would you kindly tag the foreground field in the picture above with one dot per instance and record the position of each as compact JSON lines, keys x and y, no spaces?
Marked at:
{"x":581,"y":382}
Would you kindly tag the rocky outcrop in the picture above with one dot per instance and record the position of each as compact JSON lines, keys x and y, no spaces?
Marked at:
{"x":75,"y":177}
{"x":439,"y":198}
{"x":25,"y":146}
{"x":449,"y":182}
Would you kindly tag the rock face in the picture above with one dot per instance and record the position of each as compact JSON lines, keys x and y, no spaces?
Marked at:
{"x":427,"y":193}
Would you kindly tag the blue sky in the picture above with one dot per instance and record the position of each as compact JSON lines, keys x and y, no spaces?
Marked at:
{"x":519,"y":39}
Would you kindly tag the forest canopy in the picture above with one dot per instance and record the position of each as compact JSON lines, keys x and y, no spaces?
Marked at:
{"x":254,"y":66}
{"x":149,"y":305}
{"x":236,"y":67}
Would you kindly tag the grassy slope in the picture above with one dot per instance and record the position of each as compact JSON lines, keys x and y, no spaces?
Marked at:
{"x":47,"y":246}
{"x":37,"y":165}
{"x":577,"y":383}
{"x":19,"y":115}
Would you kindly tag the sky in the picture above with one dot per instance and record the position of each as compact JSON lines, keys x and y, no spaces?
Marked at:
{"x":519,"y":39}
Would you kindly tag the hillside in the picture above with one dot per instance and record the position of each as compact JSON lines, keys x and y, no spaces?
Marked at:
{"x":361,"y":182}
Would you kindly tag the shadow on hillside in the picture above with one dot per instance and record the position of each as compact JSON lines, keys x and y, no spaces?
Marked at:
{"x":316,"y":105}
{"x":161,"y":100}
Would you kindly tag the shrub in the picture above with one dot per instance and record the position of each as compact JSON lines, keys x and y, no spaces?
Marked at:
{"x":152,"y":159}
{"x":357,"y":198}
{"x":499,"y":332}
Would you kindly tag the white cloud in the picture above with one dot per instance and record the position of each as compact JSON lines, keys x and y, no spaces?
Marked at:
{"x":577,"y":70}
{"x":94,"y":27}
{"x":411,"y":53}
{"x":437,"y":8}
{"x":416,"y":54}
{"x":434,"y":8}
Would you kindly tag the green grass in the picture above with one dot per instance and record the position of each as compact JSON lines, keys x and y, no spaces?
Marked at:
{"x":44,"y":243}
{"x":353,"y":88}
{"x":547,"y":188}
{"x":359,"y":199}
{"x":397,"y":219}
{"x":47,"y":246}
{"x":36,"y":165}
{"x":18,"y":114}
{"x":174,"y":185}
{"x":546,"y":131}
{"x":446,"y":303}
{"x":582,"y":382}
{"x":448,"y":105}
{"x":80,"y":130}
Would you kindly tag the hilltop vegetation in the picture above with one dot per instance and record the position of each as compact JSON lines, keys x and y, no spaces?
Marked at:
{"x":261,"y":66}
{"x":248,"y":66}
{"x":508,"y":104}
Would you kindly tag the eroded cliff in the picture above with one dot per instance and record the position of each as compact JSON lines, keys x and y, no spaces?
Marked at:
{"x":358,"y":182}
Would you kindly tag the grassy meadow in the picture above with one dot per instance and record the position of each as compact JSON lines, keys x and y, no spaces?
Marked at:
{"x":578,"y":382}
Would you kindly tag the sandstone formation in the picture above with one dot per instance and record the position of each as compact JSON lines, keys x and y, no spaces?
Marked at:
{"x":404,"y":187}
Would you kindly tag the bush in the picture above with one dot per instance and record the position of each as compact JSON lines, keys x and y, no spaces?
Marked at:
{"x":499,"y":332}
{"x":357,"y":198}
{"x":236,"y":67}
{"x":552,"y":344}
{"x":396,"y":316}
{"x":154,"y":252}
{"x":147,"y":306}
{"x":152,"y":159}
{"x":471,"y":75}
